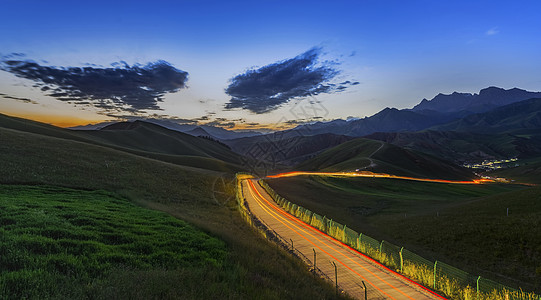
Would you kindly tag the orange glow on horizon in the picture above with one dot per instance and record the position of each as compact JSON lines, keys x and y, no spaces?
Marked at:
{"x":71,"y":121}
{"x":56,"y":120}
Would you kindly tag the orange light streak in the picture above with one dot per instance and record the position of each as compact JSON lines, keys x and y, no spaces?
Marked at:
{"x":377,"y":175}
{"x":332,"y":240}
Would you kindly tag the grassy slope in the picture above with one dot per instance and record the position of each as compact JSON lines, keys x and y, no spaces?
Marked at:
{"x":253,"y":268}
{"x":148,"y":137}
{"x":465,"y":146}
{"x":146,"y":140}
{"x":471,"y":231}
{"x":79,"y":238}
{"x":388,"y":158}
{"x":529,"y":171}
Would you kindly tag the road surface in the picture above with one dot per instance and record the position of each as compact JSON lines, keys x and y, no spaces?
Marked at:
{"x":353,"y":268}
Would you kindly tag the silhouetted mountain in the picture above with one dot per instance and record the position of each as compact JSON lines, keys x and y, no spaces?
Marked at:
{"x":198,"y":131}
{"x":486,"y":100}
{"x":508,"y":131}
{"x":387,"y":120}
{"x":440,"y":110}
{"x":523,"y":115}
{"x":216,"y":132}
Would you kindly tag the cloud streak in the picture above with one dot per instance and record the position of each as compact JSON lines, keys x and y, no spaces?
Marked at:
{"x":118,"y":88}
{"x":267,"y":88}
{"x":25,"y":100}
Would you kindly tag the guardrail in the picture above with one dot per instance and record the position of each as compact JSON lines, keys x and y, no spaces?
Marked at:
{"x":439,"y":276}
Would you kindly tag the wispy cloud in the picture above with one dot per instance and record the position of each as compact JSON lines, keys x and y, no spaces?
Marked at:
{"x":492,"y":31}
{"x":267,"y":88}
{"x":121,"y":88}
{"x":25,"y":100}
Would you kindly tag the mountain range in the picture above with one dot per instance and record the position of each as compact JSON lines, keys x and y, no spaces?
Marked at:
{"x":440,"y":110}
{"x":511,"y":130}
{"x":487,"y":99}
{"x":459,"y":127}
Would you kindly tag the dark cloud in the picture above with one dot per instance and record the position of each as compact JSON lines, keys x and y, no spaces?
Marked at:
{"x":118,"y":88}
{"x":25,"y":100}
{"x":267,"y":88}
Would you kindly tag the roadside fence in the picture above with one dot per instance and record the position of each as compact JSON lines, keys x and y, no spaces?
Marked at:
{"x":439,"y":276}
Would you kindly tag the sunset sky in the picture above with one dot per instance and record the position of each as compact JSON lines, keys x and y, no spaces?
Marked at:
{"x":258,"y":62}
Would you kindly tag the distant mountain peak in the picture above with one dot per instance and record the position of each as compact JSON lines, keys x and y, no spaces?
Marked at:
{"x":487,"y":99}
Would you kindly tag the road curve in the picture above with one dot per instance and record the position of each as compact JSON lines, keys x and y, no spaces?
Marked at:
{"x":353,"y":267}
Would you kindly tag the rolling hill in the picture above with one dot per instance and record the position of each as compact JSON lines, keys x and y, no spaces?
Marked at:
{"x":285,"y":150}
{"x":217,"y":132}
{"x":143,"y":139}
{"x":380,"y":157}
{"x":462,"y":146}
{"x":509,"y":131}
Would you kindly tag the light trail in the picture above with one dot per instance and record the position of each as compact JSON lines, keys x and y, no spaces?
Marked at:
{"x":378,"y":175}
{"x":273,"y":214}
{"x":313,"y":236}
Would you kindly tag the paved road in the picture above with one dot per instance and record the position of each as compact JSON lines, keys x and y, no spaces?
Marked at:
{"x":353,"y":267}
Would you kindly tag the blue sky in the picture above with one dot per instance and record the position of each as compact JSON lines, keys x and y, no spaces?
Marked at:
{"x":398,"y":51}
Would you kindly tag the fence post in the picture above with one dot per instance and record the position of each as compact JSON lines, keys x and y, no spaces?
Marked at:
{"x":292,"y":248}
{"x":329,"y":229}
{"x":380,"y":244}
{"x":401,"y":261}
{"x":335,"y":276}
{"x":478,"y":278}
{"x":314,"y":259}
{"x":365,"y":292}
{"x":435,"y":264}
{"x":344,"y":234}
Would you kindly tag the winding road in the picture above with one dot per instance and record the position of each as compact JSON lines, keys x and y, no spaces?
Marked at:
{"x":352,"y":267}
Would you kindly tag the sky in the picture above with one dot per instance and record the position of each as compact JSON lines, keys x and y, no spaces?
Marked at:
{"x":259,"y":63}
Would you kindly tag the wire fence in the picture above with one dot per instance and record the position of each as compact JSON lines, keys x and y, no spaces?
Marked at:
{"x":439,"y":276}
{"x":272,"y":235}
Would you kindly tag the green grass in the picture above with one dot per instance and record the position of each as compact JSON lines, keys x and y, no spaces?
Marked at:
{"x":463,"y":225}
{"x":529,"y":171}
{"x":51,"y":235}
{"x":253,"y":269}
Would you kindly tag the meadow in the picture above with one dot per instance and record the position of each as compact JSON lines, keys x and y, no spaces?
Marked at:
{"x":54,"y":238}
{"x":251,"y":268}
{"x":465,"y":226}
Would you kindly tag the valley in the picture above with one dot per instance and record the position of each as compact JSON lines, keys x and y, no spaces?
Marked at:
{"x":187,"y":180}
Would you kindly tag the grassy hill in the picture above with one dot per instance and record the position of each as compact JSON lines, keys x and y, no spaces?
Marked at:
{"x":464,"y":146}
{"x":143,"y":139}
{"x":381,"y":157}
{"x":286,"y":149}
{"x":251,"y":268}
{"x":528,"y":171}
